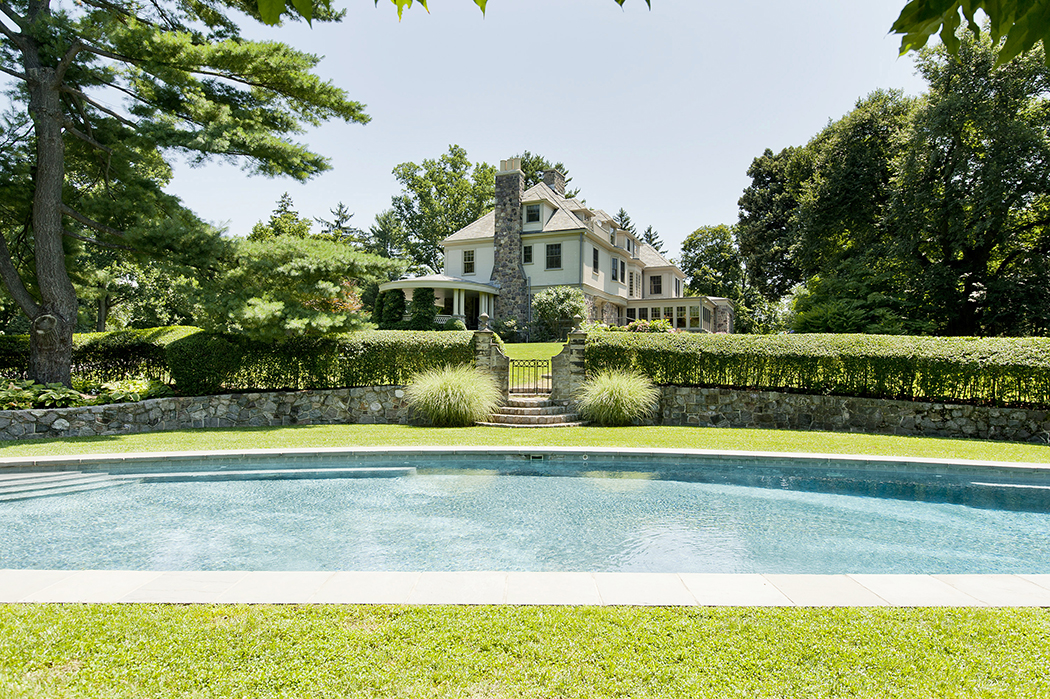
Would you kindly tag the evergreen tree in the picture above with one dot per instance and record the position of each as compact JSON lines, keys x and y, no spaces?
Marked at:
{"x":192,"y":85}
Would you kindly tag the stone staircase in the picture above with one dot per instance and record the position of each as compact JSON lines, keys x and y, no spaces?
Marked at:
{"x":533,"y":411}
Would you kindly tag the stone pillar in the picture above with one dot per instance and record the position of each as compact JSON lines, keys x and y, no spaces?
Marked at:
{"x":489,"y":357}
{"x":555,"y":180}
{"x":507,"y":269}
{"x":724,"y":317}
{"x":568,"y":369}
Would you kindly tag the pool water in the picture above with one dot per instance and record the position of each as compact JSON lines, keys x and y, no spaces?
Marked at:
{"x":484,"y":521}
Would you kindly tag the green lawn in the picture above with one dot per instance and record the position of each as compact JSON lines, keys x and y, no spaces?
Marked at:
{"x":533,"y":350}
{"x":133,"y":651}
{"x":642,"y":437}
{"x":142,"y":651}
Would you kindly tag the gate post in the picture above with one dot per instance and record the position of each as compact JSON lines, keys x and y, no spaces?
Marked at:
{"x":489,"y":357}
{"x":568,"y":370}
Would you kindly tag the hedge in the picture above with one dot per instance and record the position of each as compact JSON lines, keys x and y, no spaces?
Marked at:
{"x":1000,"y":371}
{"x":208,"y":362}
{"x":98,"y":357}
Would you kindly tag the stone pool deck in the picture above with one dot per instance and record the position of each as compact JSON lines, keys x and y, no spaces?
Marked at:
{"x":519,"y":588}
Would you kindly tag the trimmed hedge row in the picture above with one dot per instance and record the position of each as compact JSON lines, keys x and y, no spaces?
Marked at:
{"x":99,"y":357}
{"x":998,"y":371}
{"x":208,"y":362}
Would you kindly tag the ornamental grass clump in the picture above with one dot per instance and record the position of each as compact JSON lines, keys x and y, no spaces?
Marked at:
{"x":615,"y":397}
{"x":453,"y":396}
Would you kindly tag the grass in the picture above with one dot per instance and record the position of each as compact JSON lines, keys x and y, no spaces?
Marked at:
{"x":532,"y":350}
{"x":454,"y":396}
{"x":641,"y":437}
{"x":617,"y":397}
{"x":143,"y":651}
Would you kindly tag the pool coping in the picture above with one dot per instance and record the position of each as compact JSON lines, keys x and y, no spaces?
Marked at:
{"x":525,"y":588}
{"x":521,"y":588}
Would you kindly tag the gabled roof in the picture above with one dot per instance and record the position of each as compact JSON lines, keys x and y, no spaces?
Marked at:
{"x":650,"y":257}
{"x":484,"y":227}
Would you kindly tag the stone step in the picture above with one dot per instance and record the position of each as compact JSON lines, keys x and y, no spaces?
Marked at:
{"x":528,"y":401}
{"x":546,"y":410}
{"x":519,"y":426}
{"x":42,"y":482}
{"x":533,"y":419}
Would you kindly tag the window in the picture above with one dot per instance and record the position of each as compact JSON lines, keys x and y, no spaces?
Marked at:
{"x":656,"y":286}
{"x":594,"y":260}
{"x":532,"y":213}
{"x":468,"y":262}
{"x":554,"y":256}
{"x":526,"y":254}
{"x":656,"y":314}
{"x":623,"y":272}
{"x":677,"y":287}
{"x":694,"y":316}
{"x":615,"y":267}
{"x":612,"y":239}
{"x":669,"y":314}
{"x":707,"y":318}
{"x":630,"y":285}
{"x":630,"y":314}
{"x":643,"y":314}
{"x":680,"y":321}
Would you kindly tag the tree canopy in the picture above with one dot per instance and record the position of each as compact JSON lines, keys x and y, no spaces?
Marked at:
{"x":439,"y":197}
{"x":95,"y":172}
{"x":914,"y":216}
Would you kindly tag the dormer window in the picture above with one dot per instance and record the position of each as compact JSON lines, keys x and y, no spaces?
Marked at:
{"x":532,"y":213}
{"x":612,"y":239}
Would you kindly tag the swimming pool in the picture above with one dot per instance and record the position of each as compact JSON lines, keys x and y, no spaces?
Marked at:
{"x":539,"y":510}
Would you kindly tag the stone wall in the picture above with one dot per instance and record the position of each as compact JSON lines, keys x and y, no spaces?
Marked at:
{"x":379,"y":404}
{"x":720,"y":407}
{"x":568,"y":369}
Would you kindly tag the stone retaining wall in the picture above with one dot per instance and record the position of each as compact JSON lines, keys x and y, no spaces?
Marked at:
{"x":721,"y":407}
{"x":702,"y":407}
{"x":380,"y":404}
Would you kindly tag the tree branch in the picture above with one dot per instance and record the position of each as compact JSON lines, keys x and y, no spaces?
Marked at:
{"x":96,"y":241}
{"x":12,"y":15}
{"x":12,"y":73}
{"x":85,"y":138}
{"x":100,"y":227}
{"x":13,"y":282}
{"x":96,"y":105}
{"x":67,"y":60}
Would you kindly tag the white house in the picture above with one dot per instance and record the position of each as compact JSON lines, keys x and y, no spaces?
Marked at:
{"x":538,"y":238}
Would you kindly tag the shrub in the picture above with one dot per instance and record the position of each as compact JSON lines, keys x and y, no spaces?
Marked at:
{"x":553,"y":310}
{"x":616,"y":397}
{"x":950,"y":369}
{"x":454,"y":324}
{"x":377,"y":307}
{"x":453,"y":396}
{"x":422,"y":309}
{"x":209,"y":362}
{"x":393,"y":310}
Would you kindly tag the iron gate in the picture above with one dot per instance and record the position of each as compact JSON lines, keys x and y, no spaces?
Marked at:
{"x":530,"y":376}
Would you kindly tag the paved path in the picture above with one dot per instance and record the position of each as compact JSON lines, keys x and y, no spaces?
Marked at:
{"x":663,"y":589}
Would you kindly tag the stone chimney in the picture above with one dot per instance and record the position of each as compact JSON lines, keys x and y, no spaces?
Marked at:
{"x":555,"y":180}
{"x":507,"y":270}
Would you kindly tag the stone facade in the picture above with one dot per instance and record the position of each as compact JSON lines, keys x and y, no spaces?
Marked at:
{"x":379,"y":404}
{"x":721,"y":407}
{"x":507,"y":270}
{"x":724,"y":318}
{"x":489,"y":357}
{"x":568,"y":369}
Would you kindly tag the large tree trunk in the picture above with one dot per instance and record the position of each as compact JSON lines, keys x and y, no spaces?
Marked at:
{"x":51,"y":343}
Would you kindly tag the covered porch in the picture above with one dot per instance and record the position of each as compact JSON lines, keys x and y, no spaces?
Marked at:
{"x":464,"y":299}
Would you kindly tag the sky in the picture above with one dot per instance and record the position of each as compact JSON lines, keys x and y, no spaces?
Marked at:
{"x":657,"y":111}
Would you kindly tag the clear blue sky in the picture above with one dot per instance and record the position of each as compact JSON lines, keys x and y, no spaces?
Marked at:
{"x":660,"y":112}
